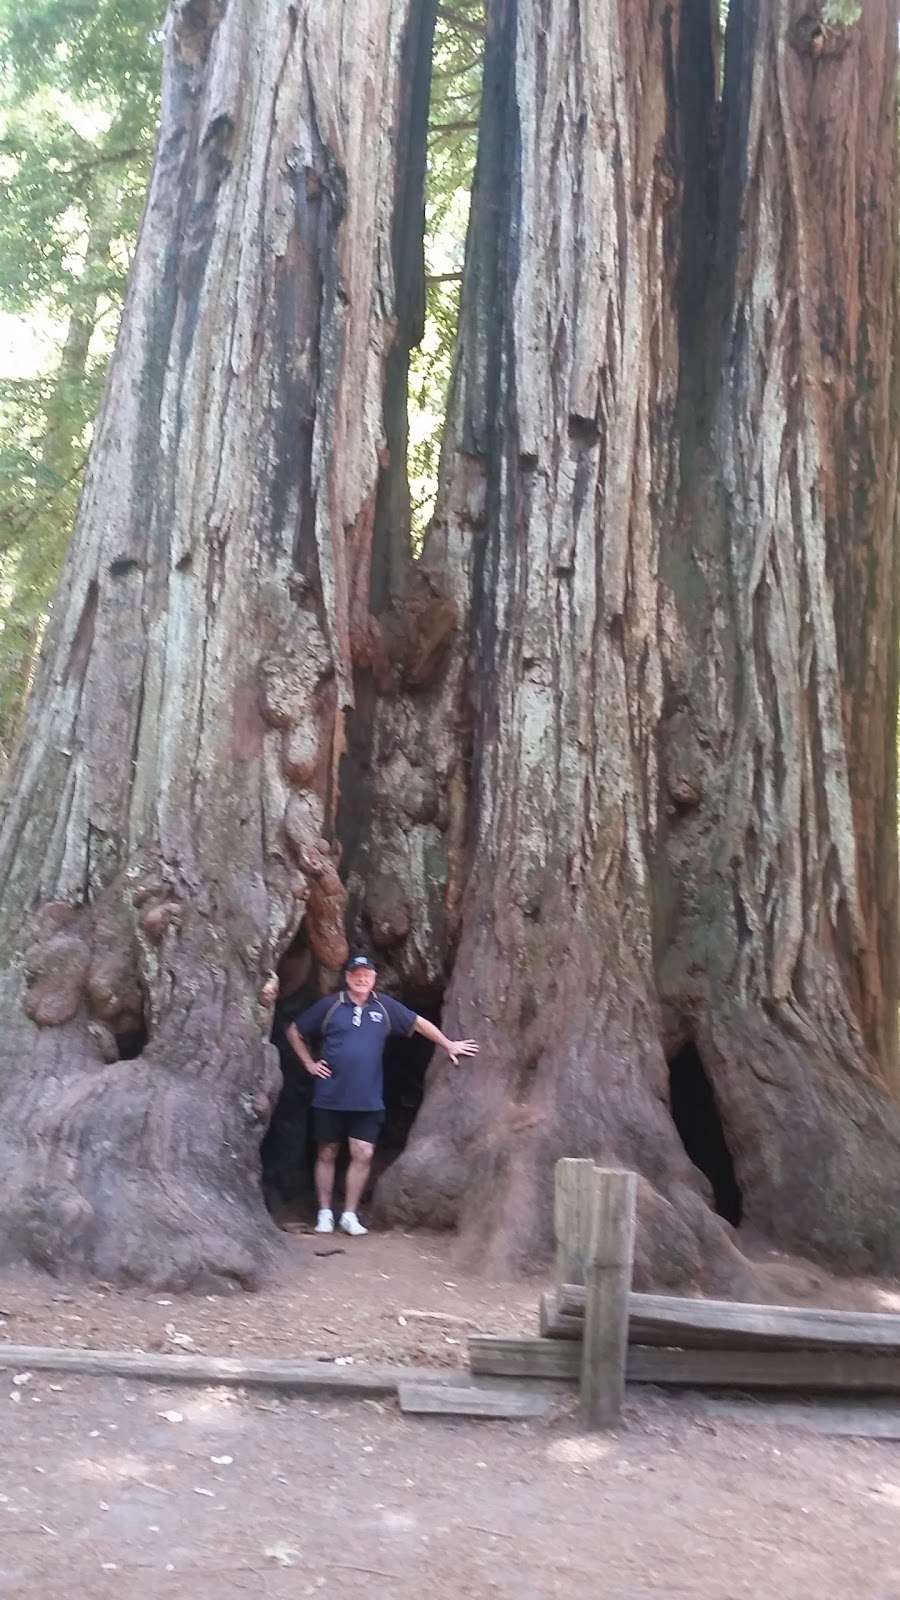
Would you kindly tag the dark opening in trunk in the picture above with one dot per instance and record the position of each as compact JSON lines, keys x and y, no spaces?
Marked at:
{"x":696,"y":1116}
{"x":405,"y":1062}
{"x":132,"y":1042}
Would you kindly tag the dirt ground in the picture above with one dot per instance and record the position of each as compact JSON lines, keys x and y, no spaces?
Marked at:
{"x":339,"y":1297}
{"x":343,"y":1297}
{"x":111,"y":1488}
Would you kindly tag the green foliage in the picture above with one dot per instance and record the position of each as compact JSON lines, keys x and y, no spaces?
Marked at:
{"x":841,"y":13}
{"x":452,"y":139}
{"x":79,"y":93}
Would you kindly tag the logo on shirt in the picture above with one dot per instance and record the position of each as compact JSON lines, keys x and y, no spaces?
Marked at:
{"x":377,"y":1016}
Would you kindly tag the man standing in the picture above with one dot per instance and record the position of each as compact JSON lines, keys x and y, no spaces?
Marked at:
{"x":348,"y":1099}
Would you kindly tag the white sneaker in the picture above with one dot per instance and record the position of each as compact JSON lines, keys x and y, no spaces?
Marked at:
{"x":325,"y":1222}
{"x":350,"y":1223}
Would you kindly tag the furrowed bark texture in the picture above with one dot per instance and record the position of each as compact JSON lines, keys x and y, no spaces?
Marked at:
{"x":556,"y":474}
{"x":781,"y":938}
{"x":171,"y":809}
{"x":672,"y":485}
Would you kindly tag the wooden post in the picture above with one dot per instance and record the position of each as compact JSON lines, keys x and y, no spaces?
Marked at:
{"x":572,"y":1217}
{"x":610,"y":1260}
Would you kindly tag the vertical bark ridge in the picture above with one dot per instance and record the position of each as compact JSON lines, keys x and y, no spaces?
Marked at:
{"x":567,"y":374}
{"x":407,"y":864}
{"x":391,"y":568}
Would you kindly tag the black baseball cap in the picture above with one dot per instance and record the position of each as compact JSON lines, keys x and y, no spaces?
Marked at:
{"x":359,"y":961}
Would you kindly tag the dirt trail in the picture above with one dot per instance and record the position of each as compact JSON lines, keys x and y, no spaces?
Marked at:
{"x":109,"y":1488}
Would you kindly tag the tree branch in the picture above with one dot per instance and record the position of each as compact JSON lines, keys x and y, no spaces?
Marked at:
{"x":14,"y":147}
{"x":447,"y":74}
{"x":452,"y":127}
{"x":457,"y":20}
{"x":13,"y":532}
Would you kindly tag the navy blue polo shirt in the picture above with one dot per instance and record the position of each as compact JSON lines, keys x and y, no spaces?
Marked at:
{"x":353,"y":1044}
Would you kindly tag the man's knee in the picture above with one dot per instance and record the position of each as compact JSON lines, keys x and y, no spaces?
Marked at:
{"x":328,"y":1152}
{"x":361,"y":1151}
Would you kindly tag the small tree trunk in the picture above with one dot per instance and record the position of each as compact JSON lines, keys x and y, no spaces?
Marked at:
{"x":172,"y":803}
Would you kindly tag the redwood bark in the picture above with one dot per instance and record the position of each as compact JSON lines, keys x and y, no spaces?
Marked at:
{"x":621,"y":777}
{"x":672,"y":435}
{"x":560,"y":467}
{"x":169,"y":825}
{"x":781,"y":938}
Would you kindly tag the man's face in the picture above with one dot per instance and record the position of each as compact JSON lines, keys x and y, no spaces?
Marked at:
{"x":359,"y":983}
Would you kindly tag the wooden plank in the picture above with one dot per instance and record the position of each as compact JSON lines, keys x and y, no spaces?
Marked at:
{"x":854,"y":1419}
{"x":803,"y":1370}
{"x":666,"y":1319}
{"x":572,"y":1217}
{"x":446,"y":1400}
{"x":553,"y":1324}
{"x":309,"y":1377}
{"x":523,"y":1358}
{"x":608,"y":1270}
{"x":831,"y":1371}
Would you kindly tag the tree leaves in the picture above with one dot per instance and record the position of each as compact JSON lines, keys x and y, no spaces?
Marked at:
{"x":78,"y":114}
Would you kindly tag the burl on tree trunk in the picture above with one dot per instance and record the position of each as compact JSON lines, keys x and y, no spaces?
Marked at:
{"x":668,"y":520}
{"x":170,"y":814}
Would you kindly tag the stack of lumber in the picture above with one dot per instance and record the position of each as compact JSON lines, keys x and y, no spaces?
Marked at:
{"x":712,"y":1344}
{"x":432,"y":1392}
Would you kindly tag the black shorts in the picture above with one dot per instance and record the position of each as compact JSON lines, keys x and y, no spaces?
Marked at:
{"x":333,"y":1127}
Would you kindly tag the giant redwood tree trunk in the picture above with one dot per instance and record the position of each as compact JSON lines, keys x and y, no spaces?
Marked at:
{"x":561,"y":461}
{"x":790,"y":901}
{"x":619,"y":784}
{"x":170,"y":815}
{"x":671,"y":452}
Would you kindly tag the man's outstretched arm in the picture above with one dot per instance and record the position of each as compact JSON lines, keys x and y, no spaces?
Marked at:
{"x":454,"y":1047}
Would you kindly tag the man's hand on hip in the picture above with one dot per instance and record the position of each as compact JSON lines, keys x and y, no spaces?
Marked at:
{"x":318,"y":1069}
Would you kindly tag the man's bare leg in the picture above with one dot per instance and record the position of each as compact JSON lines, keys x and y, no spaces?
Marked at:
{"x":361,"y":1153}
{"x":326,"y":1159}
